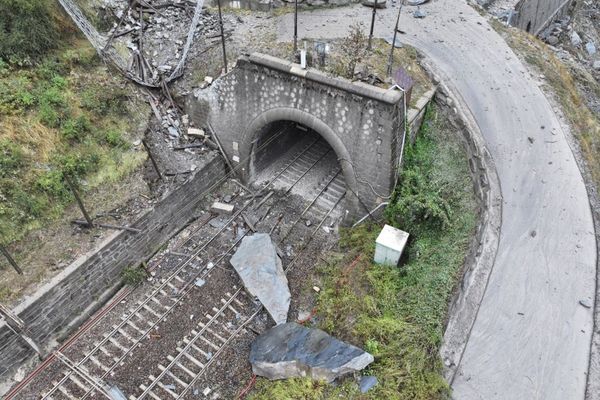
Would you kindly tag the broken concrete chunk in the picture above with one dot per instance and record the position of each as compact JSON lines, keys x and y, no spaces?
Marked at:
{"x":291,"y":350}
{"x":196,"y":132}
{"x":222,"y":208}
{"x":259,"y":266}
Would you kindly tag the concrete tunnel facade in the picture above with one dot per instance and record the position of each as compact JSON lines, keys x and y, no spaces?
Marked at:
{"x":363,"y":124}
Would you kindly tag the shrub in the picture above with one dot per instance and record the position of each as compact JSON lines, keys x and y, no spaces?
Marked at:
{"x":52,"y":183}
{"x":114,"y":139}
{"x":133,"y":275}
{"x":15,"y":94}
{"x":28,"y":29}
{"x":75,"y":129}
{"x":101,"y":100}
{"x":11,"y":158}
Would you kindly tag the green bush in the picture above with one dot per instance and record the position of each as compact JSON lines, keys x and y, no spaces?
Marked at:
{"x":28,"y":29}
{"x":114,"y":139}
{"x":75,"y":129}
{"x":11,"y":158}
{"x":133,"y":275}
{"x":52,"y":183}
{"x":101,"y":100}
{"x":53,"y":108}
{"x":16,"y":95}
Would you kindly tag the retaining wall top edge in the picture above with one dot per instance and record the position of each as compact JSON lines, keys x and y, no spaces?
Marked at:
{"x":389,"y":96}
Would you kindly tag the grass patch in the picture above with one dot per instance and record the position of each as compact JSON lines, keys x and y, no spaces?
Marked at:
{"x":398,"y":314}
{"x":561,"y":79}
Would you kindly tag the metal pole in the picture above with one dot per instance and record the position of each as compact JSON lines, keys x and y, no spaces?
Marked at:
{"x":152,"y":159}
{"x":372,"y":25}
{"x":222,"y":35}
{"x":79,"y":201}
{"x":295,"y":28}
{"x":391,"y":59}
{"x":11,"y":261}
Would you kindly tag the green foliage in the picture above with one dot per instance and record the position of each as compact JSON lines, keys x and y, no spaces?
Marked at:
{"x":28,"y":29}
{"x":133,"y":275}
{"x":11,"y":158}
{"x":103,"y":100}
{"x":75,"y":129}
{"x":114,"y":139}
{"x":52,"y":182}
{"x":422,"y":199}
{"x":16,"y":95}
{"x":53,"y":107}
{"x":397,"y":314}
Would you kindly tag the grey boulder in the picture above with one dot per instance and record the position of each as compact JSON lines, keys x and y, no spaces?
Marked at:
{"x":291,"y":350}
{"x":257,"y":263}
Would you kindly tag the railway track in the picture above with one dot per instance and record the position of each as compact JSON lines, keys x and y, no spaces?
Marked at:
{"x":231,"y":312}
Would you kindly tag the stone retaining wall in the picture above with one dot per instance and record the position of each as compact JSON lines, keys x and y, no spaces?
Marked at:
{"x":57,"y":308}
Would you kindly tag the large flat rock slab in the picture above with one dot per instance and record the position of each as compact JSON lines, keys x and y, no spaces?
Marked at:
{"x":291,"y":350}
{"x":259,"y":266}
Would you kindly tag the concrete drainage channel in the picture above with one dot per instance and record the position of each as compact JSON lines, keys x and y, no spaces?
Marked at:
{"x":181,"y":333}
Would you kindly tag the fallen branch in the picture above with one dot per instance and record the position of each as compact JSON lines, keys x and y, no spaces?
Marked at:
{"x":107,"y":226}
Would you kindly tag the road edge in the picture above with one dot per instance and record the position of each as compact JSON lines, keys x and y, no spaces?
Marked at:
{"x":479,"y":263}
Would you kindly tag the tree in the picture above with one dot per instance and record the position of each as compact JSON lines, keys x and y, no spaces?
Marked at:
{"x":353,"y":49}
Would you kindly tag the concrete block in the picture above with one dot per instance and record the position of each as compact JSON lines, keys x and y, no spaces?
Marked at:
{"x":196,"y":132}
{"x":222,"y":208}
{"x":389,"y":245}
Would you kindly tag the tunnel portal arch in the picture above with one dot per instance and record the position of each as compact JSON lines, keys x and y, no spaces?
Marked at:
{"x":251,"y":134}
{"x":363,"y":124}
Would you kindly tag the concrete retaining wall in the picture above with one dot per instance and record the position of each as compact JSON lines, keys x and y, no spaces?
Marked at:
{"x":534,"y":15}
{"x":57,"y":308}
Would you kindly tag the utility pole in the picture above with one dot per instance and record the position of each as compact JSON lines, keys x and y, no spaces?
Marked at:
{"x":11,"y":261}
{"x":391,"y":59}
{"x":79,"y":201}
{"x":295,"y":28}
{"x":222,"y":35}
{"x":372,"y":25}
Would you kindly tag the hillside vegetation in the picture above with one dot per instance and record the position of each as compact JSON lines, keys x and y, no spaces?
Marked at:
{"x":62,"y":113}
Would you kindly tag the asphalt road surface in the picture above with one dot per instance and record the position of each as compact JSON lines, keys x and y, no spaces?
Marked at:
{"x":531,"y":338}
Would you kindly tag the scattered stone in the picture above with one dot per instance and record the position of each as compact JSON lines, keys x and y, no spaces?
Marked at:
{"x":531,"y":140}
{"x":259,"y":266}
{"x":575,"y":39}
{"x":173,"y":132}
{"x":227,"y":198}
{"x":218,"y":222}
{"x":367,"y":383}
{"x":290,"y":350}
{"x":308,"y":222}
{"x":590,"y":47}
{"x":316,"y":289}
{"x":371,"y":3}
{"x":304,"y":316}
{"x":533,"y":234}
{"x":416,"y":2}
{"x":222,"y":208}
{"x":398,"y":44}
{"x":419,"y":13}
{"x":206,"y":391}
{"x":170,"y":386}
{"x":585,"y":303}
{"x":552,"y":40}
{"x":136,"y":143}
{"x":208,"y":79}
{"x":196,"y":132}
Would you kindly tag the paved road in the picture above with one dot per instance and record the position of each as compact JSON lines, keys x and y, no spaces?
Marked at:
{"x":531,"y":338}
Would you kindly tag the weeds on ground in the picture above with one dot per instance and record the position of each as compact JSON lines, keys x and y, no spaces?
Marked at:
{"x":398,"y":314}
{"x":133,"y":276}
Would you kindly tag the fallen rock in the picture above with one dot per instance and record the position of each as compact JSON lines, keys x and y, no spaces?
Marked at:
{"x":257,"y":263}
{"x":291,"y":350}
{"x":552,"y":40}
{"x":575,"y":39}
{"x":416,"y":2}
{"x":196,"y":132}
{"x":590,"y":47}
{"x":367,"y":383}
{"x":222,"y":208}
{"x":596,"y":65}
{"x":371,"y":3}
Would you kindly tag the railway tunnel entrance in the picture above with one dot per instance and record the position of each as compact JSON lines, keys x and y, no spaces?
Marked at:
{"x":293,"y":158}
{"x":266,"y":109}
